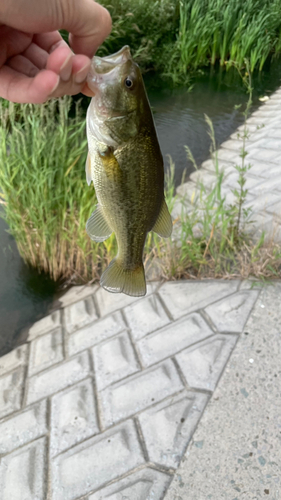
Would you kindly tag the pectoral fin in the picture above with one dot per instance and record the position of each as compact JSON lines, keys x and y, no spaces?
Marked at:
{"x":97,"y":227}
{"x":110,"y":164}
{"x":88,"y":170}
{"x":163,"y":225}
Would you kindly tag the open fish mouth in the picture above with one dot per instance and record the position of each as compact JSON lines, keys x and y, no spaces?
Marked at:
{"x":102,"y":68}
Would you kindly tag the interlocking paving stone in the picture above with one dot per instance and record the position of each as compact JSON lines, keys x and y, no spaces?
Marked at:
{"x":182,"y":297}
{"x":57,"y":378}
{"x":202,"y":364}
{"x":23,"y":427}
{"x":231,"y":314}
{"x":114,"y":359}
{"x":95,"y":333}
{"x":261,"y":202}
{"x":146,"y":484}
{"x":79,"y":314}
{"x":145,"y":316}
{"x":263,"y":154}
{"x":76,"y":293}
{"x":272,"y":183}
{"x":269,"y":143}
{"x":45,"y":351}
{"x":45,"y":325}
{"x":22,"y":473}
{"x":11,"y":392}
{"x":73,"y":416}
{"x":173,"y":338}
{"x":91,"y":464}
{"x":108,"y":304}
{"x":167,"y":428}
{"x":276,"y":208}
{"x":139,"y":391}
{"x":13,"y":359}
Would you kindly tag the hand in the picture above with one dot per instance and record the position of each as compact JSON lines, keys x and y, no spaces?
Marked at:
{"x":35,"y":62}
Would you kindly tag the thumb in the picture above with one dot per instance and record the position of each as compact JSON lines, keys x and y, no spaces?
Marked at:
{"x":89,"y":24}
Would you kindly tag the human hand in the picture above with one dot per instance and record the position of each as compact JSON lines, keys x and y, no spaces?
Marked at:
{"x":35,"y":62}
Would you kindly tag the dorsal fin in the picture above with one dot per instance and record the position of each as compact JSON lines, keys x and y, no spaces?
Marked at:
{"x":164,"y":225}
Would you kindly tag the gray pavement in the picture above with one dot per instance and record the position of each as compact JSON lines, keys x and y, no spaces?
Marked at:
{"x":104,"y":397}
{"x":235,"y":452}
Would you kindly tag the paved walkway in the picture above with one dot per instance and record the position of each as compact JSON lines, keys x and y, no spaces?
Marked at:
{"x":264,"y":177}
{"x":104,"y":398}
{"x":111,"y":388}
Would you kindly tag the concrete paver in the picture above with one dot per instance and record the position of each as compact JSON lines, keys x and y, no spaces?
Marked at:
{"x":118,"y":400}
{"x":235,"y":451}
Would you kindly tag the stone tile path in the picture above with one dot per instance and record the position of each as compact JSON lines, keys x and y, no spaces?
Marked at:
{"x":263,"y":179}
{"x":104,"y":397}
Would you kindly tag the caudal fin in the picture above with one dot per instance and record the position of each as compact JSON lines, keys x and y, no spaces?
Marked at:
{"x":130,"y":281}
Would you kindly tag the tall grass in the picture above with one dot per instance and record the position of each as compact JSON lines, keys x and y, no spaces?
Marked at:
{"x":180,"y":36}
{"x":43,"y":190}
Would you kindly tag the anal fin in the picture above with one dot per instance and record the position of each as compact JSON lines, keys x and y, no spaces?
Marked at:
{"x":97,"y":227}
{"x":164,"y":225}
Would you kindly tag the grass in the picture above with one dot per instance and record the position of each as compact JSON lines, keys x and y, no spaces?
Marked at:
{"x":175,"y":38}
{"x":44,"y":193}
{"x":47,"y":202}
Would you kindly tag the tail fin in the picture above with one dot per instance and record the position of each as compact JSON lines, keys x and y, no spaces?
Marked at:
{"x":130,"y":281}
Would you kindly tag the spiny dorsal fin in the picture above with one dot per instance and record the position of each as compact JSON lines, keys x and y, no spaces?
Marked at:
{"x":164,"y":225}
{"x":88,"y":169}
{"x":97,"y":227}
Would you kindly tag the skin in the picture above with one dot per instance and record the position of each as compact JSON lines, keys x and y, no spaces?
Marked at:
{"x":35,"y":62}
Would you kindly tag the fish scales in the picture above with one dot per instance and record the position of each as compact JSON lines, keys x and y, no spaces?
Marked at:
{"x":126,"y":166}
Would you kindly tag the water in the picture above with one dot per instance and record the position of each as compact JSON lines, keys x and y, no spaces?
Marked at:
{"x":179,"y":114}
{"x":25,"y":296}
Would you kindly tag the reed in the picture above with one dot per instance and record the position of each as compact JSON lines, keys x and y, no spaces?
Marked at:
{"x":177,"y":37}
{"x":43,"y":188}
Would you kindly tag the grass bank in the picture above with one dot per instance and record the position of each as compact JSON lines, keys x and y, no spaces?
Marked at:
{"x":47,"y":202}
{"x":177,"y":37}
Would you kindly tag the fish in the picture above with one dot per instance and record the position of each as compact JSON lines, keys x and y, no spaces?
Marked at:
{"x":126,"y":166}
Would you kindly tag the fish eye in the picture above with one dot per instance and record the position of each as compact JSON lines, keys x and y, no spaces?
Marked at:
{"x":129,"y":82}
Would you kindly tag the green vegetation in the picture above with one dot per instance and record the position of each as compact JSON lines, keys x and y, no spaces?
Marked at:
{"x":177,"y":37}
{"x":47,"y":202}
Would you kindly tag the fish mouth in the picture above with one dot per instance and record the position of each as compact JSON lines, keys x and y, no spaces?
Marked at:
{"x":102,"y":67}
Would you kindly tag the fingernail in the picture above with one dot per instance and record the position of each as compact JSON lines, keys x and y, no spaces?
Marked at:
{"x":82,"y":74}
{"x":66,"y":69}
{"x":56,"y":85}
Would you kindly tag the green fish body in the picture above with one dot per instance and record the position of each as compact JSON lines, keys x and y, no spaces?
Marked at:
{"x":126,"y":166}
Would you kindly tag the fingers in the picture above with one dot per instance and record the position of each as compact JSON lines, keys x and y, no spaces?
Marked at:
{"x":72,"y":69}
{"x":87,"y":91}
{"x":36,"y":55}
{"x":22,"y":81}
{"x":49,"y":41}
{"x":80,"y":69}
{"x":23,"y":65}
{"x":89,"y":24}
{"x":17,"y":87}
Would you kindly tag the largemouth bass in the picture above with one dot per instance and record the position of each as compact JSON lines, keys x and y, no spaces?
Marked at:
{"x":126,"y":165}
